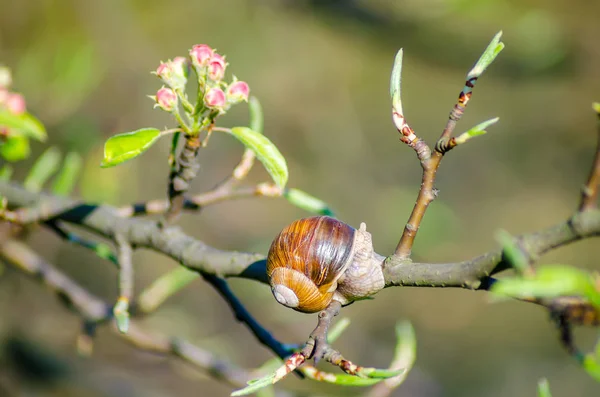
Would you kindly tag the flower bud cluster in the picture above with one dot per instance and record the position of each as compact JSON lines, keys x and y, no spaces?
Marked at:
{"x":214,"y":95}
{"x":10,"y":101}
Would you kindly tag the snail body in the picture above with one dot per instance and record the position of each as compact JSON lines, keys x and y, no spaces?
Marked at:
{"x":319,"y":259}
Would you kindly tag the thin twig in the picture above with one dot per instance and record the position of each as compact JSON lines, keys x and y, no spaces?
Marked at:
{"x":431,"y":162}
{"x":100,"y":249}
{"x":196,"y":202}
{"x":589,"y":193}
{"x":72,"y":294}
{"x":242,"y":315}
{"x":94,"y":309}
{"x":125,"y":257}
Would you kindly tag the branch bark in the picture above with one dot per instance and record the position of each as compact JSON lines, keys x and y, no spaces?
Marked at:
{"x":198,"y":256}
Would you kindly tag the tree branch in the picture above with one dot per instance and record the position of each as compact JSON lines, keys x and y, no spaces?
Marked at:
{"x":198,"y":256}
{"x":471,"y":273}
{"x":94,"y":309}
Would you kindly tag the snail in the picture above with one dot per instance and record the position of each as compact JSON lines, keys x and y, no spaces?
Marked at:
{"x":319,"y":259}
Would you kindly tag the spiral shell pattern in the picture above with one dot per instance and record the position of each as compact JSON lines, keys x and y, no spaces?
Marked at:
{"x":306,"y":260}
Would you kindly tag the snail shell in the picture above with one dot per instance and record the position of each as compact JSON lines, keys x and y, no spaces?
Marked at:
{"x":317,"y":259}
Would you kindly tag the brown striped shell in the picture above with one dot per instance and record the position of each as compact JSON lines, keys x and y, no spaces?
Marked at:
{"x":306,"y":260}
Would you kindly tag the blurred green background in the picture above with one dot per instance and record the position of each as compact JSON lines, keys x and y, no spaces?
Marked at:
{"x":321,"y":70}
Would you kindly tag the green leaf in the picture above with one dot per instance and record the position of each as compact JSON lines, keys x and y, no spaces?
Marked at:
{"x":66,"y":179}
{"x":596,"y":107}
{"x":349,"y":380}
{"x":479,"y":129}
{"x":512,"y":252}
{"x":488,"y":56}
{"x":6,"y":172}
{"x":15,"y":148}
{"x":256,"y":115}
{"x":395,"y":82}
{"x":266,"y":152}
{"x":382,"y":373}
{"x":591,"y":366}
{"x":23,"y":124}
{"x":405,"y":352}
{"x":544,"y":388}
{"x":550,"y":281}
{"x":307,"y":202}
{"x":254,"y":385}
{"x":123,"y":147}
{"x":44,"y":167}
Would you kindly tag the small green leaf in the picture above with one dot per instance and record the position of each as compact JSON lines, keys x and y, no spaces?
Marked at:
{"x":307,"y":202}
{"x":6,"y":172}
{"x":479,"y":129}
{"x":382,"y":373}
{"x":266,"y":152}
{"x":44,"y":167}
{"x":512,"y":252}
{"x":349,"y":380}
{"x":550,"y":281}
{"x":23,"y":124}
{"x":544,"y":388}
{"x":256,"y":115}
{"x":123,"y":147}
{"x":254,"y":385}
{"x":395,"y":83}
{"x":66,"y":179}
{"x":405,"y":352}
{"x":591,"y":366}
{"x":488,"y":56}
{"x":596,"y":107}
{"x":15,"y":148}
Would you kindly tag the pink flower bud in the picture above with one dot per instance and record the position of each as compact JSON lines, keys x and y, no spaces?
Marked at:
{"x":200,"y":54}
{"x":166,"y":99}
{"x":215,"y":98}
{"x":216,"y":71}
{"x":218,"y":58}
{"x":173,"y":73}
{"x":164,"y":70}
{"x":238,"y":91}
{"x":15,"y":103}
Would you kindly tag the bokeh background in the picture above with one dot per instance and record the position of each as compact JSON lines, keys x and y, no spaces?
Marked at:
{"x":321,"y":70}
